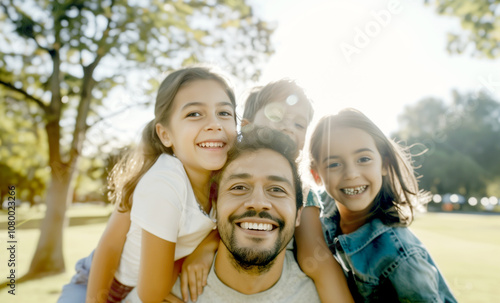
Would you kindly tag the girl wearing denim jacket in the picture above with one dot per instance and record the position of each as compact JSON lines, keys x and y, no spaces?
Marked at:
{"x":375,"y":191}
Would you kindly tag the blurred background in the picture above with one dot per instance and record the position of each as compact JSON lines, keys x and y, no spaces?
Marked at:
{"x":78,"y":82}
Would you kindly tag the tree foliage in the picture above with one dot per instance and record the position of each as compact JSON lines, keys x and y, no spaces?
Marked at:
{"x":23,"y":152}
{"x":480,"y":20}
{"x":463,"y":142}
{"x":66,"y":56}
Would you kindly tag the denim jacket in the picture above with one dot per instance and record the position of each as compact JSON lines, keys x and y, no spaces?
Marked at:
{"x":386,"y":264}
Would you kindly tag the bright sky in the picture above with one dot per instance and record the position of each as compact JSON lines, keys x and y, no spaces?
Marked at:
{"x":394,"y":55}
{"x":399,"y":58}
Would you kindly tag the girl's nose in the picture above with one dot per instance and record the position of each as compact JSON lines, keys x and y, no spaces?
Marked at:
{"x":287,"y":126}
{"x":350,"y":172}
{"x":213,"y":125}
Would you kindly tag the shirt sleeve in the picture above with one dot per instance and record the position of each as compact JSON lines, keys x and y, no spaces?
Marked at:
{"x":312,"y":199}
{"x":416,"y":280}
{"x":158,"y":203}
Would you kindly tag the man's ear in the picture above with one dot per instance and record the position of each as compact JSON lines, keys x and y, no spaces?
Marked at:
{"x":163,"y":134}
{"x":244,"y":122}
{"x":316,"y":177}
{"x":299,"y":214}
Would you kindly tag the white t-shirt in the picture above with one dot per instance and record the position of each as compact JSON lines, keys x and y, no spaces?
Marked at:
{"x":293,"y":286}
{"x":164,"y":205}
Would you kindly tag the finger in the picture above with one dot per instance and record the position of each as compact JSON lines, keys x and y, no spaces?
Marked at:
{"x":199,"y":281}
{"x":193,"y":285}
{"x":205,"y":276}
{"x":184,"y":286}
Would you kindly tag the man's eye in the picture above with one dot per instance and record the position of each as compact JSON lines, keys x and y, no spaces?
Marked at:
{"x":238,"y":187}
{"x":277,"y":189}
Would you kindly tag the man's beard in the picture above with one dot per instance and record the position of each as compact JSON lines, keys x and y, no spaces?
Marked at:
{"x":252,"y":259}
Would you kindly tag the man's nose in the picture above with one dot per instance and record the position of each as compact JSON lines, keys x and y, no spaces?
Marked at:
{"x":258,"y":201}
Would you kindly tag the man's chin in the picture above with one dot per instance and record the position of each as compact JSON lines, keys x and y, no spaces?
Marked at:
{"x":253,"y":260}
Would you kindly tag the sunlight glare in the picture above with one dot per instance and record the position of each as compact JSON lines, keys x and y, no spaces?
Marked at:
{"x":472,"y":201}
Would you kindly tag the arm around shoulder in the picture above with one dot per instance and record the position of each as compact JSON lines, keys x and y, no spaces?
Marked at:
{"x":156,"y":270}
{"x":316,"y":260}
{"x":196,"y":266}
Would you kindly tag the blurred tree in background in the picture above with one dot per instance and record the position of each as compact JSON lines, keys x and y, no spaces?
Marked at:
{"x":475,"y":155}
{"x":463,"y":142}
{"x":59,"y":61}
{"x":480,"y":20}
{"x":23,"y":151}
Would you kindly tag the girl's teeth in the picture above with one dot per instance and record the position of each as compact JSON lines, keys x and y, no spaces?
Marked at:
{"x":211,"y":144}
{"x":256,"y":226}
{"x":354,"y":190}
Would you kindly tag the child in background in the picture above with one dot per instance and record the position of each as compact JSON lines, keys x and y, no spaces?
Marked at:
{"x":375,"y":190}
{"x":284,"y":106}
{"x":167,"y":179}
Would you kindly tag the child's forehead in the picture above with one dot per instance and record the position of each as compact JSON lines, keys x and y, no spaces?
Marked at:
{"x":290,"y":104}
{"x":348,"y":138}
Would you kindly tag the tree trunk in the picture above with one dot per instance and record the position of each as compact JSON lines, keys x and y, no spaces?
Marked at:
{"x":48,"y":258}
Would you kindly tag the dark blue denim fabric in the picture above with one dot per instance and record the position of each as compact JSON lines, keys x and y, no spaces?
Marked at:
{"x":386,"y":264}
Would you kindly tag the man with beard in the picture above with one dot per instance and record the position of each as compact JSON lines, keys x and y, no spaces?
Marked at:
{"x":258,"y":207}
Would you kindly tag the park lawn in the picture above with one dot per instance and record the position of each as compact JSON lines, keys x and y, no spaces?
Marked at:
{"x":465,"y":247}
{"x":467,"y":250}
{"x":79,"y":240}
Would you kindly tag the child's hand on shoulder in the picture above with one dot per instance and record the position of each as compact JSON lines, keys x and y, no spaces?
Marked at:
{"x":194,"y":273}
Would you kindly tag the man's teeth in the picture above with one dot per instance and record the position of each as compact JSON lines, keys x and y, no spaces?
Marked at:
{"x":354,"y":190}
{"x":256,"y":226}
{"x":211,"y":144}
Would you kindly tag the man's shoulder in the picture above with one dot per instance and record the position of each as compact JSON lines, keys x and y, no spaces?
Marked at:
{"x":298,"y":287}
{"x":293,"y":286}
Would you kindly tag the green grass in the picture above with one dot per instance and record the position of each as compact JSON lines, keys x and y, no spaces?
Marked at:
{"x":467,"y":250}
{"x":465,"y":247}
{"x":79,"y":240}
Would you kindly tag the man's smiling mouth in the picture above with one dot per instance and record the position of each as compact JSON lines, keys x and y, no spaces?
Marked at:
{"x":256,"y":226}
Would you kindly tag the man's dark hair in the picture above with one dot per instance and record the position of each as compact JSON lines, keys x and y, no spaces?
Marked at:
{"x":256,"y":138}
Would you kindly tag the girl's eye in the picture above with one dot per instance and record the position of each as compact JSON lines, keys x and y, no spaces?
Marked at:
{"x":275,"y":118}
{"x":333,"y":165}
{"x":194,"y":114}
{"x":364,"y":159}
{"x":299,"y":126}
{"x":226,"y":113}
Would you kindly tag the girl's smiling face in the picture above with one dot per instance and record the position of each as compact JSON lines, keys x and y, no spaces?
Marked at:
{"x":351,"y":168}
{"x":202,"y":126}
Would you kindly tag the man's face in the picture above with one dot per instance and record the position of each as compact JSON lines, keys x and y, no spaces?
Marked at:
{"x":256,"y":207}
